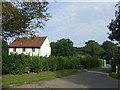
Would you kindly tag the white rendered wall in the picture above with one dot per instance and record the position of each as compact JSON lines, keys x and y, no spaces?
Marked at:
{"x":45,"y":49}
{"x":27,"y":51}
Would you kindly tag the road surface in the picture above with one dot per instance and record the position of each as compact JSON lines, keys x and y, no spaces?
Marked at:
{"x":92,"y":79}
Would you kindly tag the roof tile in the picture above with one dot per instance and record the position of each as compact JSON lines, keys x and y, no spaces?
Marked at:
{"x":28,"y":42}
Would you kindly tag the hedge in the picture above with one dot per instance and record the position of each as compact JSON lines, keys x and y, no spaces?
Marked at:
{"x":19,"y":64}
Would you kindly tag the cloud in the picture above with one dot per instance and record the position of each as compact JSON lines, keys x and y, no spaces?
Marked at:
{"x":79,"y":21}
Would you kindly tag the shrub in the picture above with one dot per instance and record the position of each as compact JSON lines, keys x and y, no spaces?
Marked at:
{"x":36,"y":64}
{"x":101,"y":62}
{"x":91,"y":62}
{"x":115,"y":75}
{"x":45,"y":64}
{"x":60,"y":62}
{"x":19,"y":64}
{"x":52,"y":63}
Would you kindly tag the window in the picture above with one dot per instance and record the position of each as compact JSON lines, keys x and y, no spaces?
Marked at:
{"x":23,"y":49}
{"x":33,"y":49}
{"x":14,"y":49}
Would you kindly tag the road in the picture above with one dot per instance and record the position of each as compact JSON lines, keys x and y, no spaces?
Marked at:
{"x":92,"y":79}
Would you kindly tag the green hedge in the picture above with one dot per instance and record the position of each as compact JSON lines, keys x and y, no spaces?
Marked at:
{"x":19,"y":64}
{"x":92,"y":62}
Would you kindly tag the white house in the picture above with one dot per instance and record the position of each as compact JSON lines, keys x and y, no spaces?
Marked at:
{"x":36,"y":46}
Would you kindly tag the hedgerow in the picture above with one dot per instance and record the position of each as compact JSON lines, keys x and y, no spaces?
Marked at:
{"x":19,"y":64}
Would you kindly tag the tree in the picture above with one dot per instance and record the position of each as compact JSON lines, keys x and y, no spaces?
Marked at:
{"x":4,"y":46}
{"x":114,"y":28}
{"x":114,"y":25}
{"x":13,"y":22}
{"x":63,"y":47}
{"x":110,"y":49}
{"x":93,"y":48}
{"x":18,"y":18}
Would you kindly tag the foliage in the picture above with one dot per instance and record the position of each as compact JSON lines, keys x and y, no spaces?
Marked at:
{"x":114,"y":25}
{"x":13,"y":22}
{"x":63,"y":47}
{"x":115,"y":75}
{"x":36,"y":64}
{"x":92,"y":62}
{"x":15,"y":64}
{"x":19,"y":64}
{"x":116,"y":60}
{"x":20,"y":17}
{"x":110,"y":49}
{"x":114,"y":28}
{"x":93,"y":48}
{"x":4,"y":46}
{"x":80,"y":50}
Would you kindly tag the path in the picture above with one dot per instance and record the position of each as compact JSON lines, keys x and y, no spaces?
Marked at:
{"x":93,"y":79}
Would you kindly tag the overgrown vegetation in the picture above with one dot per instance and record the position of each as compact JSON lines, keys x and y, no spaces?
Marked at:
{"x":115,"y":75}
{"x":19,"y":64}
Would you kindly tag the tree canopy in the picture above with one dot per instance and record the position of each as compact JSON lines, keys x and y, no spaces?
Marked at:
{"x":110,"y":49}
{"x":114,"y":28}
{"x":18,"y":18}
{"x":93,"y":48}
{"x":63,"y":47}
{"x":114,"y":25}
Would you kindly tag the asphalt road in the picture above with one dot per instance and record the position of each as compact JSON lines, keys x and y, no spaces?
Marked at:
{"x":93,"y":79}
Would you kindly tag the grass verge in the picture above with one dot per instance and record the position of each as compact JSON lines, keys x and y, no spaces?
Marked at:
{"x":115,"y":75}
{"x":10,"y":81}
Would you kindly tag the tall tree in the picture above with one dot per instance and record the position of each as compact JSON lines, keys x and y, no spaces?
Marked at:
{"x":114,"y":25}
{"x":18,"y":18}
{"x":114,"y":34}
{"x":63,"y":47}
{"x":93,"y":48}
{"x":110,"y":49}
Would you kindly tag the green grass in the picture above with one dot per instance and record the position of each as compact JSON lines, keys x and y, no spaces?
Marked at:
{"x":10,"y":81}
{"x":115,"y":75}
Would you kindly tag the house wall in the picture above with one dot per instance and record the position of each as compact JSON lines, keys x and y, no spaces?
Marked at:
{"x":45,"y":48}
{"x":27,"y":51}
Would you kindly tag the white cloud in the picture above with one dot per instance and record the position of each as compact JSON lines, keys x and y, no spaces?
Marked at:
{"x":80,"y":21}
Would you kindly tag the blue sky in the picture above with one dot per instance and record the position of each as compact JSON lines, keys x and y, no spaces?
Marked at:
{"x":79,"y":21}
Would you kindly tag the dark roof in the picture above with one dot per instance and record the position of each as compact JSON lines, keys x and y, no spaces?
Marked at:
{"x":28,"y":42}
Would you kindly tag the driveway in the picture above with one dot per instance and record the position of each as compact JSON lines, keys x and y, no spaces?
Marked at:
{"x":93,"y":79}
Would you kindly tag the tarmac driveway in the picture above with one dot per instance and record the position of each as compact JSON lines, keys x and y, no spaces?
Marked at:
{"x":93,"y":79}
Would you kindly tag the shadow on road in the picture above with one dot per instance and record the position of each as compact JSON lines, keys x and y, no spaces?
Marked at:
{"x":106,"y":69}
{"x":93,"y":79}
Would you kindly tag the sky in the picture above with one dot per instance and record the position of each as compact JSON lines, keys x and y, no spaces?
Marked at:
{"x":79,"y":21}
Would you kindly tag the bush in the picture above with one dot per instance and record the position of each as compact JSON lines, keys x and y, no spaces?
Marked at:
{"x":15,"y":64}
{"x":115,"y":75}
{"x":91,"y":62}
{"x":101,"y":62}
{"x":36,"y":64}
{"x":19,"y":64}
{"x":45,"y":64}
{"x":52,"y":63}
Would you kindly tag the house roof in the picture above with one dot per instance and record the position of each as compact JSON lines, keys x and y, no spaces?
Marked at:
{"x":28,"y":42}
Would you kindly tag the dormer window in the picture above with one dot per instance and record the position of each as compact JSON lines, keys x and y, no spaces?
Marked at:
{"x":23,"y":49}
{"x":33,"y":49}
{"x":14,"y":49}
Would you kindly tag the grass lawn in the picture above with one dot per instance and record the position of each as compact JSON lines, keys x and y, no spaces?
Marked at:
{"x":115,"y":75}
{"x":10,"y":81}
